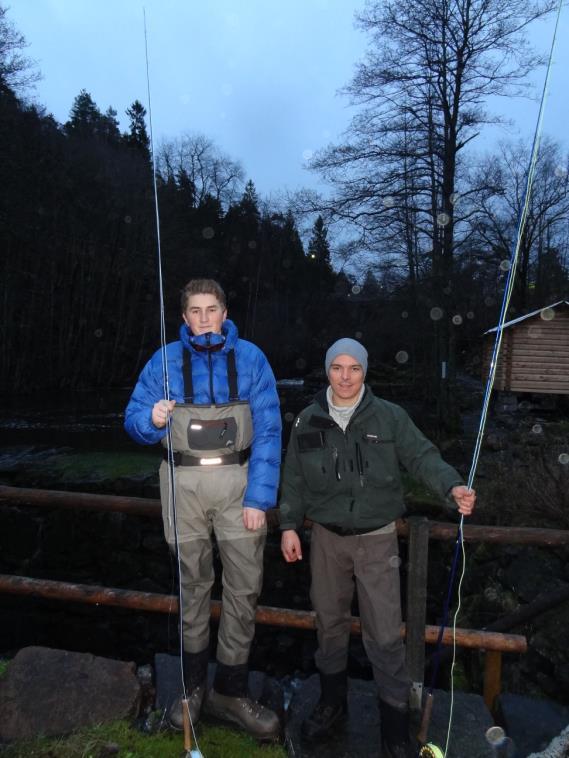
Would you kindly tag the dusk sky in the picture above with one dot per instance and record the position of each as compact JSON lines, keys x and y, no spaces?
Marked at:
{"x":259,"y":77}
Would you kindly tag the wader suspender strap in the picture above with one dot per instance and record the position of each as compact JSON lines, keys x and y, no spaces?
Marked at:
{"x":189,"y":384}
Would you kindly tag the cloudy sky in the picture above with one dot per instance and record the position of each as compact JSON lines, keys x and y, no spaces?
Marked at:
{"x":259,"y":77}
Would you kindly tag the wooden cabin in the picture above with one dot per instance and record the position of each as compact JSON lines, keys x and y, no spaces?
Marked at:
{"x":534,"y":354}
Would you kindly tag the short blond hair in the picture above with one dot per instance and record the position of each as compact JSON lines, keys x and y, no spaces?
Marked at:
{"x":202,"y":287}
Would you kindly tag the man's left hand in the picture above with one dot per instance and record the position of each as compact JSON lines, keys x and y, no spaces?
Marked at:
{"x":253,"y":518}
{"x":464,"y":498}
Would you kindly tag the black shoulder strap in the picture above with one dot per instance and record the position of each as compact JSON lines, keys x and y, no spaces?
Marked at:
{"x":232,"y":376}
{"x":187,"y":372}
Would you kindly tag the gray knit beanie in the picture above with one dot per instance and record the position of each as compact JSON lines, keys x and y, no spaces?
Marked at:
{"x":346,"y":346}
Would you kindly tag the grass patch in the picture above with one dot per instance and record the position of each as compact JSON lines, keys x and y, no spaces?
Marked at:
{"x":100,"y":466}
{"x":123,"y":740}
{"x":3,"y":667}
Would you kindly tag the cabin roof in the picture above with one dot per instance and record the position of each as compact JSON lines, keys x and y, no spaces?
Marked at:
{"x":528,"y":315}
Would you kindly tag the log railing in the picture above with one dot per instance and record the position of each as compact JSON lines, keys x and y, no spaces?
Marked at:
{"x":417,"y":530}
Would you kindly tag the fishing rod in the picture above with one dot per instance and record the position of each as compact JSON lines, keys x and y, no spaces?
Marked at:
{"x":430,"y":750}
{"x":172,"y":516}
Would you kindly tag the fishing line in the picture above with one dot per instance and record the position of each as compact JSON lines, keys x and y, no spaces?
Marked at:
{"x":172,"y":520}
{"x":522,"y":218}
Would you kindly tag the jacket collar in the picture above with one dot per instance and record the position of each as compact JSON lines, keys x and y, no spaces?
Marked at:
{"x":321,"y":400}
{"x":223,"y":342}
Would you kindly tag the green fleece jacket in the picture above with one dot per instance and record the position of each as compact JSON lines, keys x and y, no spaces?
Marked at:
{"x":352,"y":479}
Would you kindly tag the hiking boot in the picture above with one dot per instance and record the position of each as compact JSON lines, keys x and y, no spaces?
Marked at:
{"x":331,"y":707}
{"x":195,"y":701}
{"x":395,"y":741}
{"x":195,"y":681}
{"x":322,"y":718}
{"x":254,"y":718}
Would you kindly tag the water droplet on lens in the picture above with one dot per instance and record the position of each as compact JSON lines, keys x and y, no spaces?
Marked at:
{"x":251,"y":244}
{"x":388,"y":201}
{"x":470,"y":315}
{"x":489,"y":301}
{"x":560,"y":171}
{"x":356,"y":289}
{"x":98,"y":333}
{"x":436,"y":313}
{"x":505,"y":265}
{"x":208,"y":233}
{"x":405,"y":314}
{"x":127,"y":219}
{"x":534,"y":331}
{"x":537,"y":429}
{"x":564,"y":459}
{"x":395,"y":561}
{"x":457,"y":320}
{"x":358,"y":335}
{"x":402,"y":357}
{"x":547,"y":314}
{"x":454,"y":198}
{"x":289,"y":416}
{"x":443,"y":219}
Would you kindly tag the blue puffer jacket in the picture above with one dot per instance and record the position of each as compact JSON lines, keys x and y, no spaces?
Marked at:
{"x":256,"y":384}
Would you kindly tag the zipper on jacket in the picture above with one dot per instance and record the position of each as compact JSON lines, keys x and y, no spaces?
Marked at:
{"x":336,"y":463}
{"x":359,"y":461}
{"x":208,"y":342}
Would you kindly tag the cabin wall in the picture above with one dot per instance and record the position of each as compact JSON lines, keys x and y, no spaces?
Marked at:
{"x":534,"y":356}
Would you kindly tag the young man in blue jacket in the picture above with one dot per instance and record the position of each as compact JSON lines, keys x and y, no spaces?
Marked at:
{"x":225,"y":428}
{"x":342,"y":471}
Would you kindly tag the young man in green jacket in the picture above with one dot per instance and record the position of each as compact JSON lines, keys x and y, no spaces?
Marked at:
{"x":342,"y":471}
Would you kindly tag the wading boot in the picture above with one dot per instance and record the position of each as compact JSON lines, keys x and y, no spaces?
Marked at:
{"x":330,"y":709}
{"x":195,"y":677}
{"x":228,"y":701}
{"x":395,"y":741}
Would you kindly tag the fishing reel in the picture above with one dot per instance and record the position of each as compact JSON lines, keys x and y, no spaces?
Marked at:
{"x":431,"y":751}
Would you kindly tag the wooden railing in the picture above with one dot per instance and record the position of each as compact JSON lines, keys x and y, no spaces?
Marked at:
{"x":417,"y":530}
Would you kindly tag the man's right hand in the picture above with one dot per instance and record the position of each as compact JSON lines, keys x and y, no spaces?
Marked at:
{"x":160,"y":412}
{"x":290,"y":546}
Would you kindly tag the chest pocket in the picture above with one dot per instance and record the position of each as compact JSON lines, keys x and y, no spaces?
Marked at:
{"x":212,"y":434}
{"x":315,"y":460}
{"x":380,"y":462}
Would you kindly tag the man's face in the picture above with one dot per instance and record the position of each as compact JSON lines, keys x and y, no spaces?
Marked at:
{"x":346,"y":377}
{"x":204,"y":313}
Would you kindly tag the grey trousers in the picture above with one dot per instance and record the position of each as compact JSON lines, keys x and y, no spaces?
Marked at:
{"x":207,"y":501}
{"x":372,"y":562}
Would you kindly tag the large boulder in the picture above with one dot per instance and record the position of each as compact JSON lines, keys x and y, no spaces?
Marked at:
{"x":54,"y":692}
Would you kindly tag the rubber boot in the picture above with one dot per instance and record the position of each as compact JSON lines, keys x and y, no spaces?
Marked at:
{"x":395,"y":741}
{"x":331,"y":707}
{"x":195,"y":678}
{"x":228,"y":700}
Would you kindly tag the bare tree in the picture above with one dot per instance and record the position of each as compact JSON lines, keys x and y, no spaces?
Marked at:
{"x":211,"y":172}
{"x":422,"y":89}
{"x":16,"y":70}
{"x":541,"y":270}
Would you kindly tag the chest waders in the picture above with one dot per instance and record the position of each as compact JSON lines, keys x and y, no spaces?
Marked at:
{"x":211,"y":448}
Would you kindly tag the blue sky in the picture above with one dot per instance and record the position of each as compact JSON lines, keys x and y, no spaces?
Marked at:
{"x":259,"y":77}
